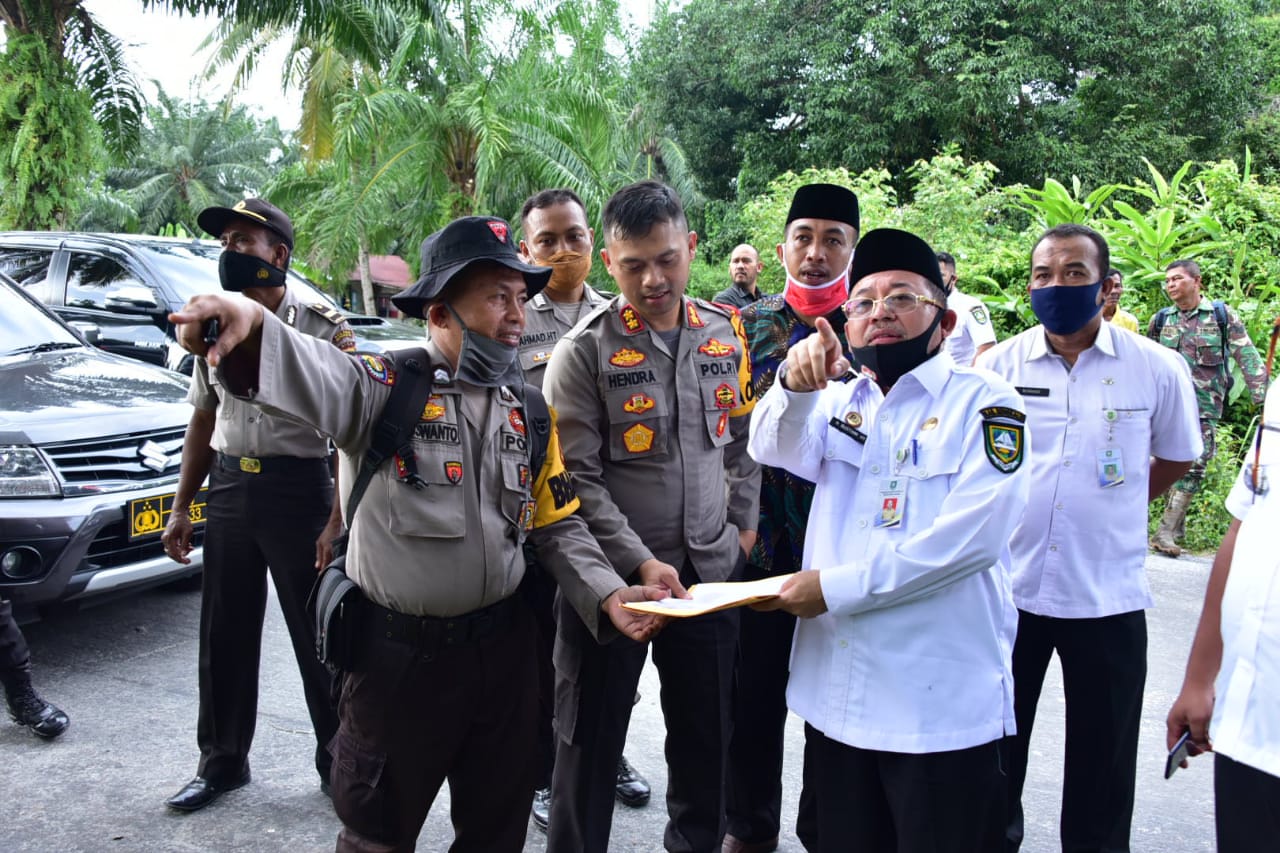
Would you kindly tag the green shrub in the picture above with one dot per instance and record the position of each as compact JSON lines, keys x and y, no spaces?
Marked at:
{"x":1207,"y":518}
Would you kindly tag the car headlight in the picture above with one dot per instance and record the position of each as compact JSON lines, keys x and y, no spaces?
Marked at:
{"x":24,"y":474}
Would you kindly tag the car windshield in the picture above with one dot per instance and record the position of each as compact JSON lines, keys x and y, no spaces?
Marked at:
{"x":26,"y":328}
{"x":192,"y":268}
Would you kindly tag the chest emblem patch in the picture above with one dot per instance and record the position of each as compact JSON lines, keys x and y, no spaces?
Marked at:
{"x":931,"y":423}
{"x":979,"y":314}
{"x":853,"y":419}
{"x":453,"y":472}
{"x":726,"y":397}
{"x":626,"y":357}
{"x":517,"y":420}
{"x":434,"y":409}
{"x":717,"y":349}
{"x":638,"y":439}
{"x":638,"y":404}
{"x":539,"y":357}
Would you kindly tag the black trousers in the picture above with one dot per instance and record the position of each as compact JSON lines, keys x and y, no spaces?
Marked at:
{"x":1245,"y":801}
{"x":14,"y":653}
{"x":258,"y":523}
{"x":539,"y":590}
{"x":413,"y":718}
{"x":1104,"y":672}
{"x":695,"y":659}
{"x":892,"y":802}
{"x":754,"y":787}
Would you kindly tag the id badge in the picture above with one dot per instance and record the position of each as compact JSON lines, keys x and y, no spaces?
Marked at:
{"x":1110,"y":468}
{"x":893,"y":502}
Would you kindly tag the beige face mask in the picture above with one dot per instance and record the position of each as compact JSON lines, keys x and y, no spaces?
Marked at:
{"x":568,"y":269}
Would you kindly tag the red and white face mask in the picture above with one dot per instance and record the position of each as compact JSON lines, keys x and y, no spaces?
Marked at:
{"x":817,"y":300}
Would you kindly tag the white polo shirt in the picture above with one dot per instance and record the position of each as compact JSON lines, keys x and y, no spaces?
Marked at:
{"x":1078,"y":551}
{"x":1246,"y":715}
{"x":973,"y":327}
{"x":914,"y":652}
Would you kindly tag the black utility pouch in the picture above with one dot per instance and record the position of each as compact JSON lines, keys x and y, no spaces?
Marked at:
{"x":334,"y":607}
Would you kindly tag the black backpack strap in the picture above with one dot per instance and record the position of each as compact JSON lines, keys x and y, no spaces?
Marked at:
{"x":1158,"y":321}
{"x":1224,"y":325}
{"x":400,"y":415}
{"x":538,"y":415}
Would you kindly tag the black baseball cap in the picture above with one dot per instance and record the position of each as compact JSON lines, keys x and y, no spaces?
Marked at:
{"x":893,"y":249}
{"x":457,"y":246}
{"x":255,"y":210}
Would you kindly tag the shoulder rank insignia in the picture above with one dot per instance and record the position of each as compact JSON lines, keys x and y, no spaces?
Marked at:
{"x":333,"y":315}
{"x":638,"y":439}
{"x":716,"y":349}
{"x":631,"y":320}
{"x":638,"y":404}
{"x":377,"y":368}
{"x":291,"y":316}
{"x":1002,"y":437}
{"x":694,"y":318}
{"x":626,"y":357}
{"x":434,"y":409}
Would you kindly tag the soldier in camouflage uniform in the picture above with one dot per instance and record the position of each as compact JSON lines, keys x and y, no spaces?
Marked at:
{"x":1191,"y":328}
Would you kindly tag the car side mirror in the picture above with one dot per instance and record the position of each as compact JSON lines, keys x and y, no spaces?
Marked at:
{"x":133,"y":299}
{"x":89,"y":331}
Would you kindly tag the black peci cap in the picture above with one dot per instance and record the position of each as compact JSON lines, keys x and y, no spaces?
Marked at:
{"x":457,"y":246}
{"x":892,"y":249}
{"x":255,"y":210}
{"x":824,"y":201}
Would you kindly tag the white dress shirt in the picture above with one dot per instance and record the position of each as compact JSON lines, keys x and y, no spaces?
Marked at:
{"x":1246,"y":714}
{"x":973,"y":327}
{"x":914,"y":652}
{"x":1078,"y":552}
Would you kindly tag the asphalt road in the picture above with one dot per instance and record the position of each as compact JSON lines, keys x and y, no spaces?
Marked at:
{"x":126,"y":673}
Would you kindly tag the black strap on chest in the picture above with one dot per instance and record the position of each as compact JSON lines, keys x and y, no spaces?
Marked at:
{"x":538,"y":415}
{"x":1219,"y":316}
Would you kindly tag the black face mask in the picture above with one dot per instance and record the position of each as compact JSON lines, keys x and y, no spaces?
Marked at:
{"x":890,"y":362}
{"x":238,"y":271}
{"x":484,"y":361}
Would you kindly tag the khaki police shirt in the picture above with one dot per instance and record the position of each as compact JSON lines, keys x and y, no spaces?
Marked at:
{"x":657,"y":441}
{"x":244,"y":430}
{"x":545,"y":322}
{"x":455,"y":545}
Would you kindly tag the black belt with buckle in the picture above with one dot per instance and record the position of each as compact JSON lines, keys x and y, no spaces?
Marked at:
{"x":259,"y":465}
{"x":431,"y":633}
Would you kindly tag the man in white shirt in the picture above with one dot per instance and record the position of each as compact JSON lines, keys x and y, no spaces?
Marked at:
{"x":1115,"y":424}
{"x":1238,"y":642}
{"x":901,"y":663}
{"x":974,"y":333}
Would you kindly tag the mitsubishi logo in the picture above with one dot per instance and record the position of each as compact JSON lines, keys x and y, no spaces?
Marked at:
{"x":153,"y":456}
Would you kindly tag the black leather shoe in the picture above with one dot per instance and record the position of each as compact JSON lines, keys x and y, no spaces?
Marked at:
{"x":631,"y":789}
{"x":200,"y":792}
{"x":733,"y":844}
{"x":541,"y":810}
{"x":28,"y":708}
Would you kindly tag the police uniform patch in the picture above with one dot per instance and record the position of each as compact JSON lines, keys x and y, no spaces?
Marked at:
{"x":722,"y":423}
{"x":291,"y":316}
{"x":717,"y":349}
{"x":1003,"y":437}
{"x":434,"y":409}
{"x":498,"y":228}
{"x":523,"y":471}
{"x":530,"y":509}
{"x":539,"y":357}
{"x":333,"y":315}
{"x":638,"y":404}
{"x":441,"y":377}
{"x":345,"y":340}
{"x":517,"y":420}
{"x":638,"y":439}
{"x":726,"y":397}
{"x":376,"y":368}
{"x":627,"y":357}
{"x":453,"y":472}
{"x":694,"y":318}
{"x":631,"y":320}
{"x":979,"y":313}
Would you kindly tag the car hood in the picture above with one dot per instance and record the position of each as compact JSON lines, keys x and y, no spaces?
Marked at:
{"x":81,"y":393}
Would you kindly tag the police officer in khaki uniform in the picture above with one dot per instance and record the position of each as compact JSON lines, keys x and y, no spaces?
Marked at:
{"x":445,"y":685}
{"x":269,"y":507}
{"x":556,"y":235}
{"x":649,"y":389}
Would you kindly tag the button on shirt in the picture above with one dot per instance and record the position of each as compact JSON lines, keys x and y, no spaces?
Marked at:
{"x":914,"y":652}
{"x":1079,"y":550}
{"x":1246,"y":715}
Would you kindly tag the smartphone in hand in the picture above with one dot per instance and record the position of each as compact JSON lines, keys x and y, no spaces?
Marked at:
{"x":1180,"y":752}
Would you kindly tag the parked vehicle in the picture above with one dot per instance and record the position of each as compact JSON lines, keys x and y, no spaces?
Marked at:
{"x":119,"y":289}
{"x":90,"y":445}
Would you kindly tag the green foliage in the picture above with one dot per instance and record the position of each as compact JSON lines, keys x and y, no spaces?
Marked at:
{"x":1207,"y":517}
{"x":48,"y":141}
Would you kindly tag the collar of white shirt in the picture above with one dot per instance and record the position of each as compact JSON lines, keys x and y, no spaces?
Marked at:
{"x":1105,"y":343}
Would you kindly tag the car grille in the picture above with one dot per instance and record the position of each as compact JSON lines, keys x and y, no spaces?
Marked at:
{"x":117,"y":458}
{"x":111,"y":547}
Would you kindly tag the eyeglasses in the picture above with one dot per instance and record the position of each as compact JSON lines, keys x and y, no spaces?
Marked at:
{"x":895,"y":304}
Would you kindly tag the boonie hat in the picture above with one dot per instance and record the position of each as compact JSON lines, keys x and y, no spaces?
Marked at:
{"x":457,"y":246}
{"x":824,"y":201}
{"x":255,"y":210}
{"x":893,"y":249}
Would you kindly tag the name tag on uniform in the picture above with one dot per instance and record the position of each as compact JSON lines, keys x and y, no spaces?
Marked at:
{"x":1110,"y":468}
{"x":1029,"y":391}
{"x":849,"y":430}
{"x":893,"y":502}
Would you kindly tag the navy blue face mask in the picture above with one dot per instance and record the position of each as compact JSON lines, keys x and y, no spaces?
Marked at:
{"x":1063,"y":309}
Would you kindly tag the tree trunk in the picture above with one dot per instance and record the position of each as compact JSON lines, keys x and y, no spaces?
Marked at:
{"x":367,"y":299}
